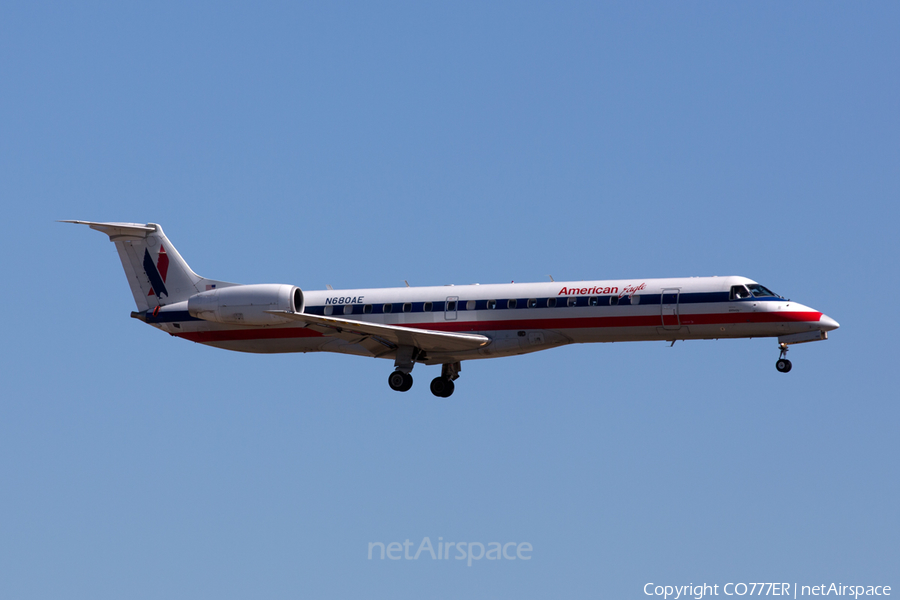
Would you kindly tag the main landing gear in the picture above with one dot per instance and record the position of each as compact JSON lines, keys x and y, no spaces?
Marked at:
{"x":401,"y":379}
{"x":783,"y":364}
{"x":443,"y":386}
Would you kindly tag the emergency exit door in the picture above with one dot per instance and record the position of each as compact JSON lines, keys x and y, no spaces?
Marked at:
{"x":669,"y":308}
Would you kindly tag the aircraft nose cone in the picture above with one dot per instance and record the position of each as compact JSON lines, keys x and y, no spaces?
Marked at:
{"x":826,"y":323}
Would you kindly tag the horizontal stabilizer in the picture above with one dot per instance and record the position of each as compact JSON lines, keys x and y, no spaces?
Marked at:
{"x":424,"y":339}
{"x":118,"y":231}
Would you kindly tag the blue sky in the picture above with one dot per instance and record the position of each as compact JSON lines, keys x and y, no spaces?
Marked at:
{"x":360,"y":145}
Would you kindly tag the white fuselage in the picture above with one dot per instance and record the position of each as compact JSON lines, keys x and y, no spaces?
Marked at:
{"x":525,"y":317}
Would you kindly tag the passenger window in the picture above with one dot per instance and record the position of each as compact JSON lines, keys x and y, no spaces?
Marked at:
{"x":635,"y":299}
{"x":407,"y":307}
{"x":613,"y":300}
{"x":492,"y":304}
{"x":572,"y":301}
{"x":388,"y":308}
{"x":367,"y":309}
{"x":428,"y":306}
{"x":470,"y":305}
{"x":348,"y":309}
{"x":329,"y":310}
{"x":551,"y":302}
{"x":593,"y":301}
{"x":511,"y":303}
{"x":532,"y":303}
{"x":451,"y":305}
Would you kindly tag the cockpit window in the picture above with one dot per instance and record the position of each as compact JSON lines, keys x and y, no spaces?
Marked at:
{"x":760,"y":291}
{"x":738,"y":292}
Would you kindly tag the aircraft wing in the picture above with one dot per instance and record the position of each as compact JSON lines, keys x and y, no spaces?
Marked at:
{"x":390,"y":335}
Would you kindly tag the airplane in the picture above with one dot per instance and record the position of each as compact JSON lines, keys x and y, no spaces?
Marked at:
{"x":445,"y":325}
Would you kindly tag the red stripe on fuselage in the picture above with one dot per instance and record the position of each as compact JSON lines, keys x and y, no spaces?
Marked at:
{"x":270,"y":333}
{"x":635,"y":321}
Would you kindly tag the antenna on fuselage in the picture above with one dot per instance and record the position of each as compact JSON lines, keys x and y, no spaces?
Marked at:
{"x":551,"y":278}
{"x":328,"y":286}
{"x":406,"y":282}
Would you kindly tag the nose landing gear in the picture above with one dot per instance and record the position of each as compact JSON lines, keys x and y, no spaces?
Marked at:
{"x":783,"y":364}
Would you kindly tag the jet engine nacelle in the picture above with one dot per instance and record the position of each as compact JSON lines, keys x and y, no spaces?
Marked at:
{"x":246,"y":304}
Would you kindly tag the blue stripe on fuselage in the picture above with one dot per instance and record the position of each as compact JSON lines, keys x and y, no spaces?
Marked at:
{"x":561,"y":302}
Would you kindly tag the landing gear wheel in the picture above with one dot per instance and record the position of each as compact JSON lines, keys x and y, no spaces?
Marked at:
{"x":400,"y":381}
{"x":783,"y":364}
{"x":441,"y":387}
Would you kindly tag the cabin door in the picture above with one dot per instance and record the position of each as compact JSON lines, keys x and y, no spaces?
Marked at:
{"x":669,"y":308}
{"x":450,"y":308}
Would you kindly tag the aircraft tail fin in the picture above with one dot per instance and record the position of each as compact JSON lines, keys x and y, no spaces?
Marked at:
{"x":156,"y":272}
